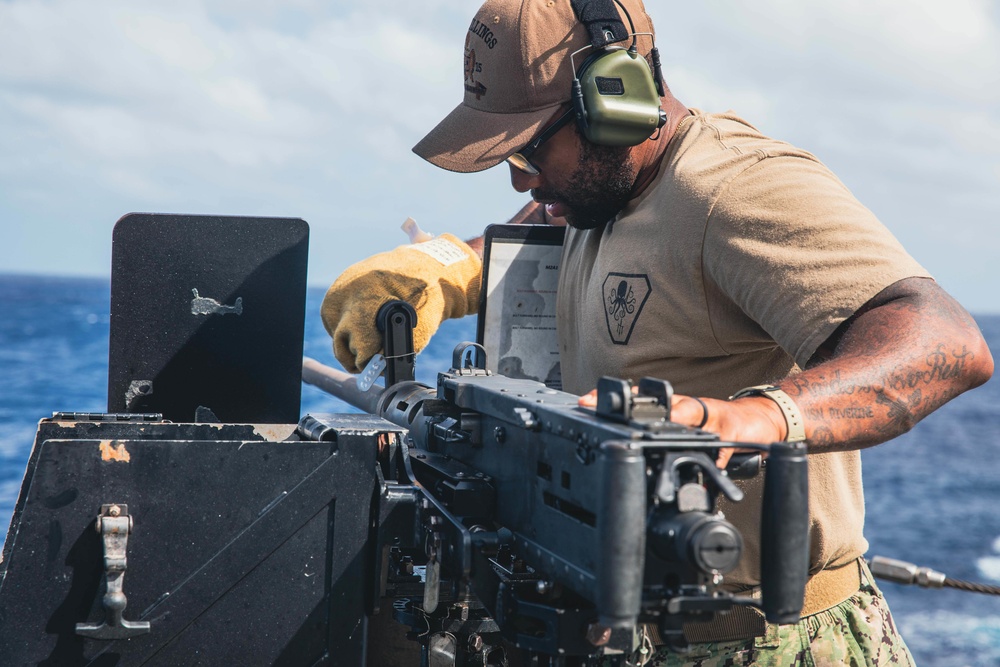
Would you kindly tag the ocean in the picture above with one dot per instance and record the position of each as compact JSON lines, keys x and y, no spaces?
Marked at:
{"x":932,"y":495}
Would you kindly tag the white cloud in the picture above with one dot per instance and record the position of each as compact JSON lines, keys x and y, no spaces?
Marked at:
{"x":899,"y":97}
{"x":309,"y":108}
{"x":176,"y":42}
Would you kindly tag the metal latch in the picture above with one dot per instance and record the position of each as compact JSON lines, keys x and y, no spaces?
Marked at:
{"x":114,"y":524}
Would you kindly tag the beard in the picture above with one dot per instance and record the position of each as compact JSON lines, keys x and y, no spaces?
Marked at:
{"x":598,"y":189}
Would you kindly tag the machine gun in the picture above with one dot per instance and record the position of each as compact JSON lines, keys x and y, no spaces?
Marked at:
{"x":567,"y":531}
{"x":196,"y":523}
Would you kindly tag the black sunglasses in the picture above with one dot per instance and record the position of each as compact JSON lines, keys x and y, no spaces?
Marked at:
{"x":521,"y":160}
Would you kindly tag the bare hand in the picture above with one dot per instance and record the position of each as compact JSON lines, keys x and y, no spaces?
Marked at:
{"x":753,"y":419}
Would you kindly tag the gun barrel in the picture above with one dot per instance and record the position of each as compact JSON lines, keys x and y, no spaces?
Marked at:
{"x":341,"y":385}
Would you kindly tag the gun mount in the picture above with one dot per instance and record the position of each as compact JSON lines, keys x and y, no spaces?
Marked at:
{"x":492,"y":509}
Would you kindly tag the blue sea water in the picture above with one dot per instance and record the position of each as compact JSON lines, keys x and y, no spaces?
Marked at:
{"x":933,"y":495}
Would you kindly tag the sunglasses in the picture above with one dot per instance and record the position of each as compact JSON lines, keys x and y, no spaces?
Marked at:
{"x":521,"y":160}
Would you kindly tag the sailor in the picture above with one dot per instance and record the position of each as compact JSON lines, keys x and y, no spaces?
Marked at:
{"x":698,"y":250}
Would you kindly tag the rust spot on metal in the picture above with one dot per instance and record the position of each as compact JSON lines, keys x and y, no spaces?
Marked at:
{"x":114,"y":451}
{"x":384,"y":441}
{"x":274,"y":432}
{"x":598,"y":634}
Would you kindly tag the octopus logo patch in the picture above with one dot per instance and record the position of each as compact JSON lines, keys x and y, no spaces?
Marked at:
{"x":624,"y":296}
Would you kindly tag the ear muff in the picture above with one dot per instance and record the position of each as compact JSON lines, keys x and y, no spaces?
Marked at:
{"x":616,"y":98}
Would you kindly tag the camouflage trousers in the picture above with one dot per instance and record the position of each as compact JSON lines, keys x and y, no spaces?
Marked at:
{"x":858,"y":632}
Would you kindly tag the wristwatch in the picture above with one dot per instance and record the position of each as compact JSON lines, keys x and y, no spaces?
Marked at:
{"x":793,"y":418}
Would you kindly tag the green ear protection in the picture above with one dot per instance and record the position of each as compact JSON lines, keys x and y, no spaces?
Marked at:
{"x":616,"y":96}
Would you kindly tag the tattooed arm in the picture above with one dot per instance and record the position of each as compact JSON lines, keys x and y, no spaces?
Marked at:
{"x":908,"y":351}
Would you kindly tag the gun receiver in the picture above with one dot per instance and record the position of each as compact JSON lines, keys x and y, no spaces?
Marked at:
{"x":575,"y":527}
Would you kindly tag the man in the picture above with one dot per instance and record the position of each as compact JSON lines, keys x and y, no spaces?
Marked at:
{"x":727,"y":260}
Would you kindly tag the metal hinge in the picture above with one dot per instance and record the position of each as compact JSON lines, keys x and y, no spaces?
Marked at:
{"x":114,"y":524}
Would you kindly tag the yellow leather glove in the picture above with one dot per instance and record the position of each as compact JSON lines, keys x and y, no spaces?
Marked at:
{"x":439,"y":278}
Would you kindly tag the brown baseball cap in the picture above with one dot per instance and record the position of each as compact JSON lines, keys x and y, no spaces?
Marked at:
{"x":517,"y":73}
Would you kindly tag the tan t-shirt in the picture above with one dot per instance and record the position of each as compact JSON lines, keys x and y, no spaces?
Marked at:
{"x":739,"y":260}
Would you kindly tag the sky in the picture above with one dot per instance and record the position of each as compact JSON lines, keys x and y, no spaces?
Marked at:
{"x":308,"y":109}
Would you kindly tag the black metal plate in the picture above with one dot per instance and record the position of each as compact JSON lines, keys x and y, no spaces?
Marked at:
{"x":242,"y":552}
{"x":208,"y":311}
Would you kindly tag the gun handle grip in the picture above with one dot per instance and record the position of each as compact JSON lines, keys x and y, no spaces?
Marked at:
{"x":621,"y":530}
{"x":785,"y":532}
{"x":396,"y":320}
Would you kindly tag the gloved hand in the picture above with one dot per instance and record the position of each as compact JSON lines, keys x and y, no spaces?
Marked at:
{"x":439,"y":278}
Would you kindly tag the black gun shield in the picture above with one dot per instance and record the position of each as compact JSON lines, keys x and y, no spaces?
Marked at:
{"x":244,"y":550}
{"x":208,"y":312}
